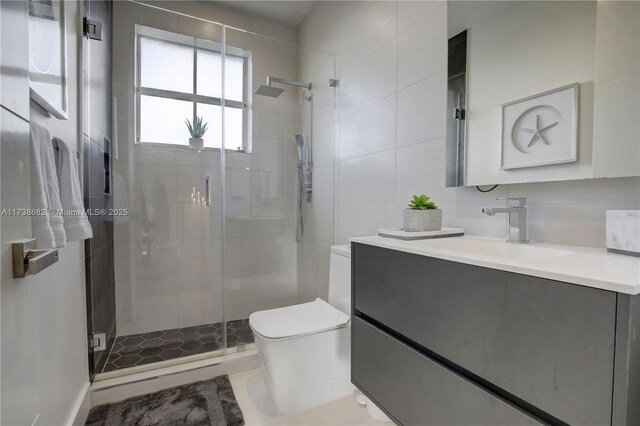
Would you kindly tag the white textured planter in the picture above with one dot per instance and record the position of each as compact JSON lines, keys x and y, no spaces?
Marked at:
{"x":422,"y":220}
{"x":196,"y":143}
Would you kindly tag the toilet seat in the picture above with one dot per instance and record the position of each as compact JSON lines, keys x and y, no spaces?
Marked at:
{"x":297,"y":320}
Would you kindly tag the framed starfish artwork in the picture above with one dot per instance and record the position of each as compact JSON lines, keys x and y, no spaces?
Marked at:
{"x":542,"y":129}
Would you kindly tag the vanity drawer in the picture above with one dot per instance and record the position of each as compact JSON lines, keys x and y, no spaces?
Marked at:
{"x":548,"y":343}
{"x":416,"y":390}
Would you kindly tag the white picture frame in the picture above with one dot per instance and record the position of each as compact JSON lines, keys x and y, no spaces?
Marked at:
{"x":541,"y":130}
{"x":48,"y":56}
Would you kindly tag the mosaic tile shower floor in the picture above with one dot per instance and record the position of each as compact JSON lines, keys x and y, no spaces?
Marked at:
{"x":146,"y":348}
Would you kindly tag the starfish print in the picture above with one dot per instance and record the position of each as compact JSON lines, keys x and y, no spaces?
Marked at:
{"x":537,"y":132}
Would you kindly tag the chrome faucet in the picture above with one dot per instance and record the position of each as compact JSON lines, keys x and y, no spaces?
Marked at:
{"x":517,"y":210}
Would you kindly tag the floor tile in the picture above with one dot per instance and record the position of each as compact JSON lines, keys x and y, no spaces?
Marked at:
{"x":250,"y":393}
{"x":163,"y":345}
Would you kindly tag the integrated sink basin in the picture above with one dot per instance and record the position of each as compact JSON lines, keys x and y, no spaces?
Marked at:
{"x":586,"y":266}
{"x":496,"y":248}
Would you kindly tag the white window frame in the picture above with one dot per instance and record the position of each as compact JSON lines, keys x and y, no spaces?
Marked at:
{"x":197,"y":44}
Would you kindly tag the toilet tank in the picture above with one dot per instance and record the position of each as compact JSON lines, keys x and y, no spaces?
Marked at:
{"x":340,"y":278}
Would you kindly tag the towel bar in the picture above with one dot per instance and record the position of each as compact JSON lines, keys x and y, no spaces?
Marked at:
{"x":27,"y":260}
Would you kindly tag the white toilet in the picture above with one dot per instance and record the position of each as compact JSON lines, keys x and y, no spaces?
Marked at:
{"x":305,"y":349}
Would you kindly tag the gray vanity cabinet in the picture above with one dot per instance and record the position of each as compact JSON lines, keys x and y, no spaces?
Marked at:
{"x":419,"y":391}
{"x":502,"y":348}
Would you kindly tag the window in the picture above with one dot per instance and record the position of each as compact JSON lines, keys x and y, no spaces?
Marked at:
{"x":180,"y":77}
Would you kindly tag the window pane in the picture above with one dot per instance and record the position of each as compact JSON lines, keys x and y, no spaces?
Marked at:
{"x":234,"y":78}
{"x":162,"y":120}
{"x":212,"y":115}
{"x":209,"y":74}
{"x":158,"y":72}
{"x":233,"y":128}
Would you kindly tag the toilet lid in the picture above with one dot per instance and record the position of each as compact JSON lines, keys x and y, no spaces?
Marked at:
{"x":297,"y":320}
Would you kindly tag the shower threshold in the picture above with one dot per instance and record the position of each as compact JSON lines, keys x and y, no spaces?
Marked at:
{"x":136,"y":350}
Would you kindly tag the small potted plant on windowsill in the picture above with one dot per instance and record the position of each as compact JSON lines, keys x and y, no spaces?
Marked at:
{"x":197,"y":131}
{"x":422,"y":215}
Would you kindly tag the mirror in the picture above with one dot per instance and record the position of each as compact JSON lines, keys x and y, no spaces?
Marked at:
{"x":542,"y":91}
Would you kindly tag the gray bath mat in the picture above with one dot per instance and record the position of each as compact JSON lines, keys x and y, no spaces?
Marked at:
{"x":208,"y":403}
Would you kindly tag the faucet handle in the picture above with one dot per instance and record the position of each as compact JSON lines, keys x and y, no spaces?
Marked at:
{"x":517,"y":201}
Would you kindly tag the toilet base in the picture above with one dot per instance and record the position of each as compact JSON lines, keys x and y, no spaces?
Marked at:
{"x":307,"y":371}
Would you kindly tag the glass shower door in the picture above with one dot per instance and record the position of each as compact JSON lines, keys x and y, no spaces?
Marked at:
{"x":168,"y":250}
{"x":261,"y":172}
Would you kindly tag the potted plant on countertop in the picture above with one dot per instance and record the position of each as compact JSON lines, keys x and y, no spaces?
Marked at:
{"x":197,"y":131}
{"x":422,"y":215}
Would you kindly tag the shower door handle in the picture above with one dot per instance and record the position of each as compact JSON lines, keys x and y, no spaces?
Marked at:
{"x":207,"y":191}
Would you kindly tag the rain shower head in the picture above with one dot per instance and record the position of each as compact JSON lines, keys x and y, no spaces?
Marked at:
{"x":270,"y":91}
{"x":273,"y":92}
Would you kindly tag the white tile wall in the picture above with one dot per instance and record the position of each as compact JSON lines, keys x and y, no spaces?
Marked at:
{"x":370,"y":81}
{"x":370,"y":130}
{"x":420,"y":113}
{"x":317,"y":66}
{"x":366,"y":33}
{"x":417,"y":164}
{"x":617,"y":109}
{"x":617,"y":35}
{"x":378,"y":139}
{"x":367,"y":179}
{"x":617,"y":84}
{"x":410,"y":12}
{"x":380,"y":161}
{"x":421,"y":45}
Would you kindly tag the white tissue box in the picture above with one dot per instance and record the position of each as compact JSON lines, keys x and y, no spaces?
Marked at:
{"x":623,"y":232}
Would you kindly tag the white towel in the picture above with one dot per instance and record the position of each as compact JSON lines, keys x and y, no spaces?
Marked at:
{"x":47,"y":224}
{"x":76,"y":224}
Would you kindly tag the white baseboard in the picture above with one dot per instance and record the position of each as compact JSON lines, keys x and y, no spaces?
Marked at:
{"x":81,"y":408}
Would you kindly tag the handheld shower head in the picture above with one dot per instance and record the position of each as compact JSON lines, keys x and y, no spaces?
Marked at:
{"x":300,"y":145}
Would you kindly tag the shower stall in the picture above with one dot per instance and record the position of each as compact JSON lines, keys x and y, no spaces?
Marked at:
{"x":210,"y":234}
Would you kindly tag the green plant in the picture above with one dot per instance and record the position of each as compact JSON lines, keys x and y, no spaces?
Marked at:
{"x":198,"y":128}
{"x":422,"y":202}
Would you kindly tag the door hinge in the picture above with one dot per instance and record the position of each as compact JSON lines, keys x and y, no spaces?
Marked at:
{"x":92,"y":29}
{"x":98,"y":342}
{"x":458,"y":113}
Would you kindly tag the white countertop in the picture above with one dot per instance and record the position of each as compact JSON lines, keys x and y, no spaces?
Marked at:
{"x":590,"y":267}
